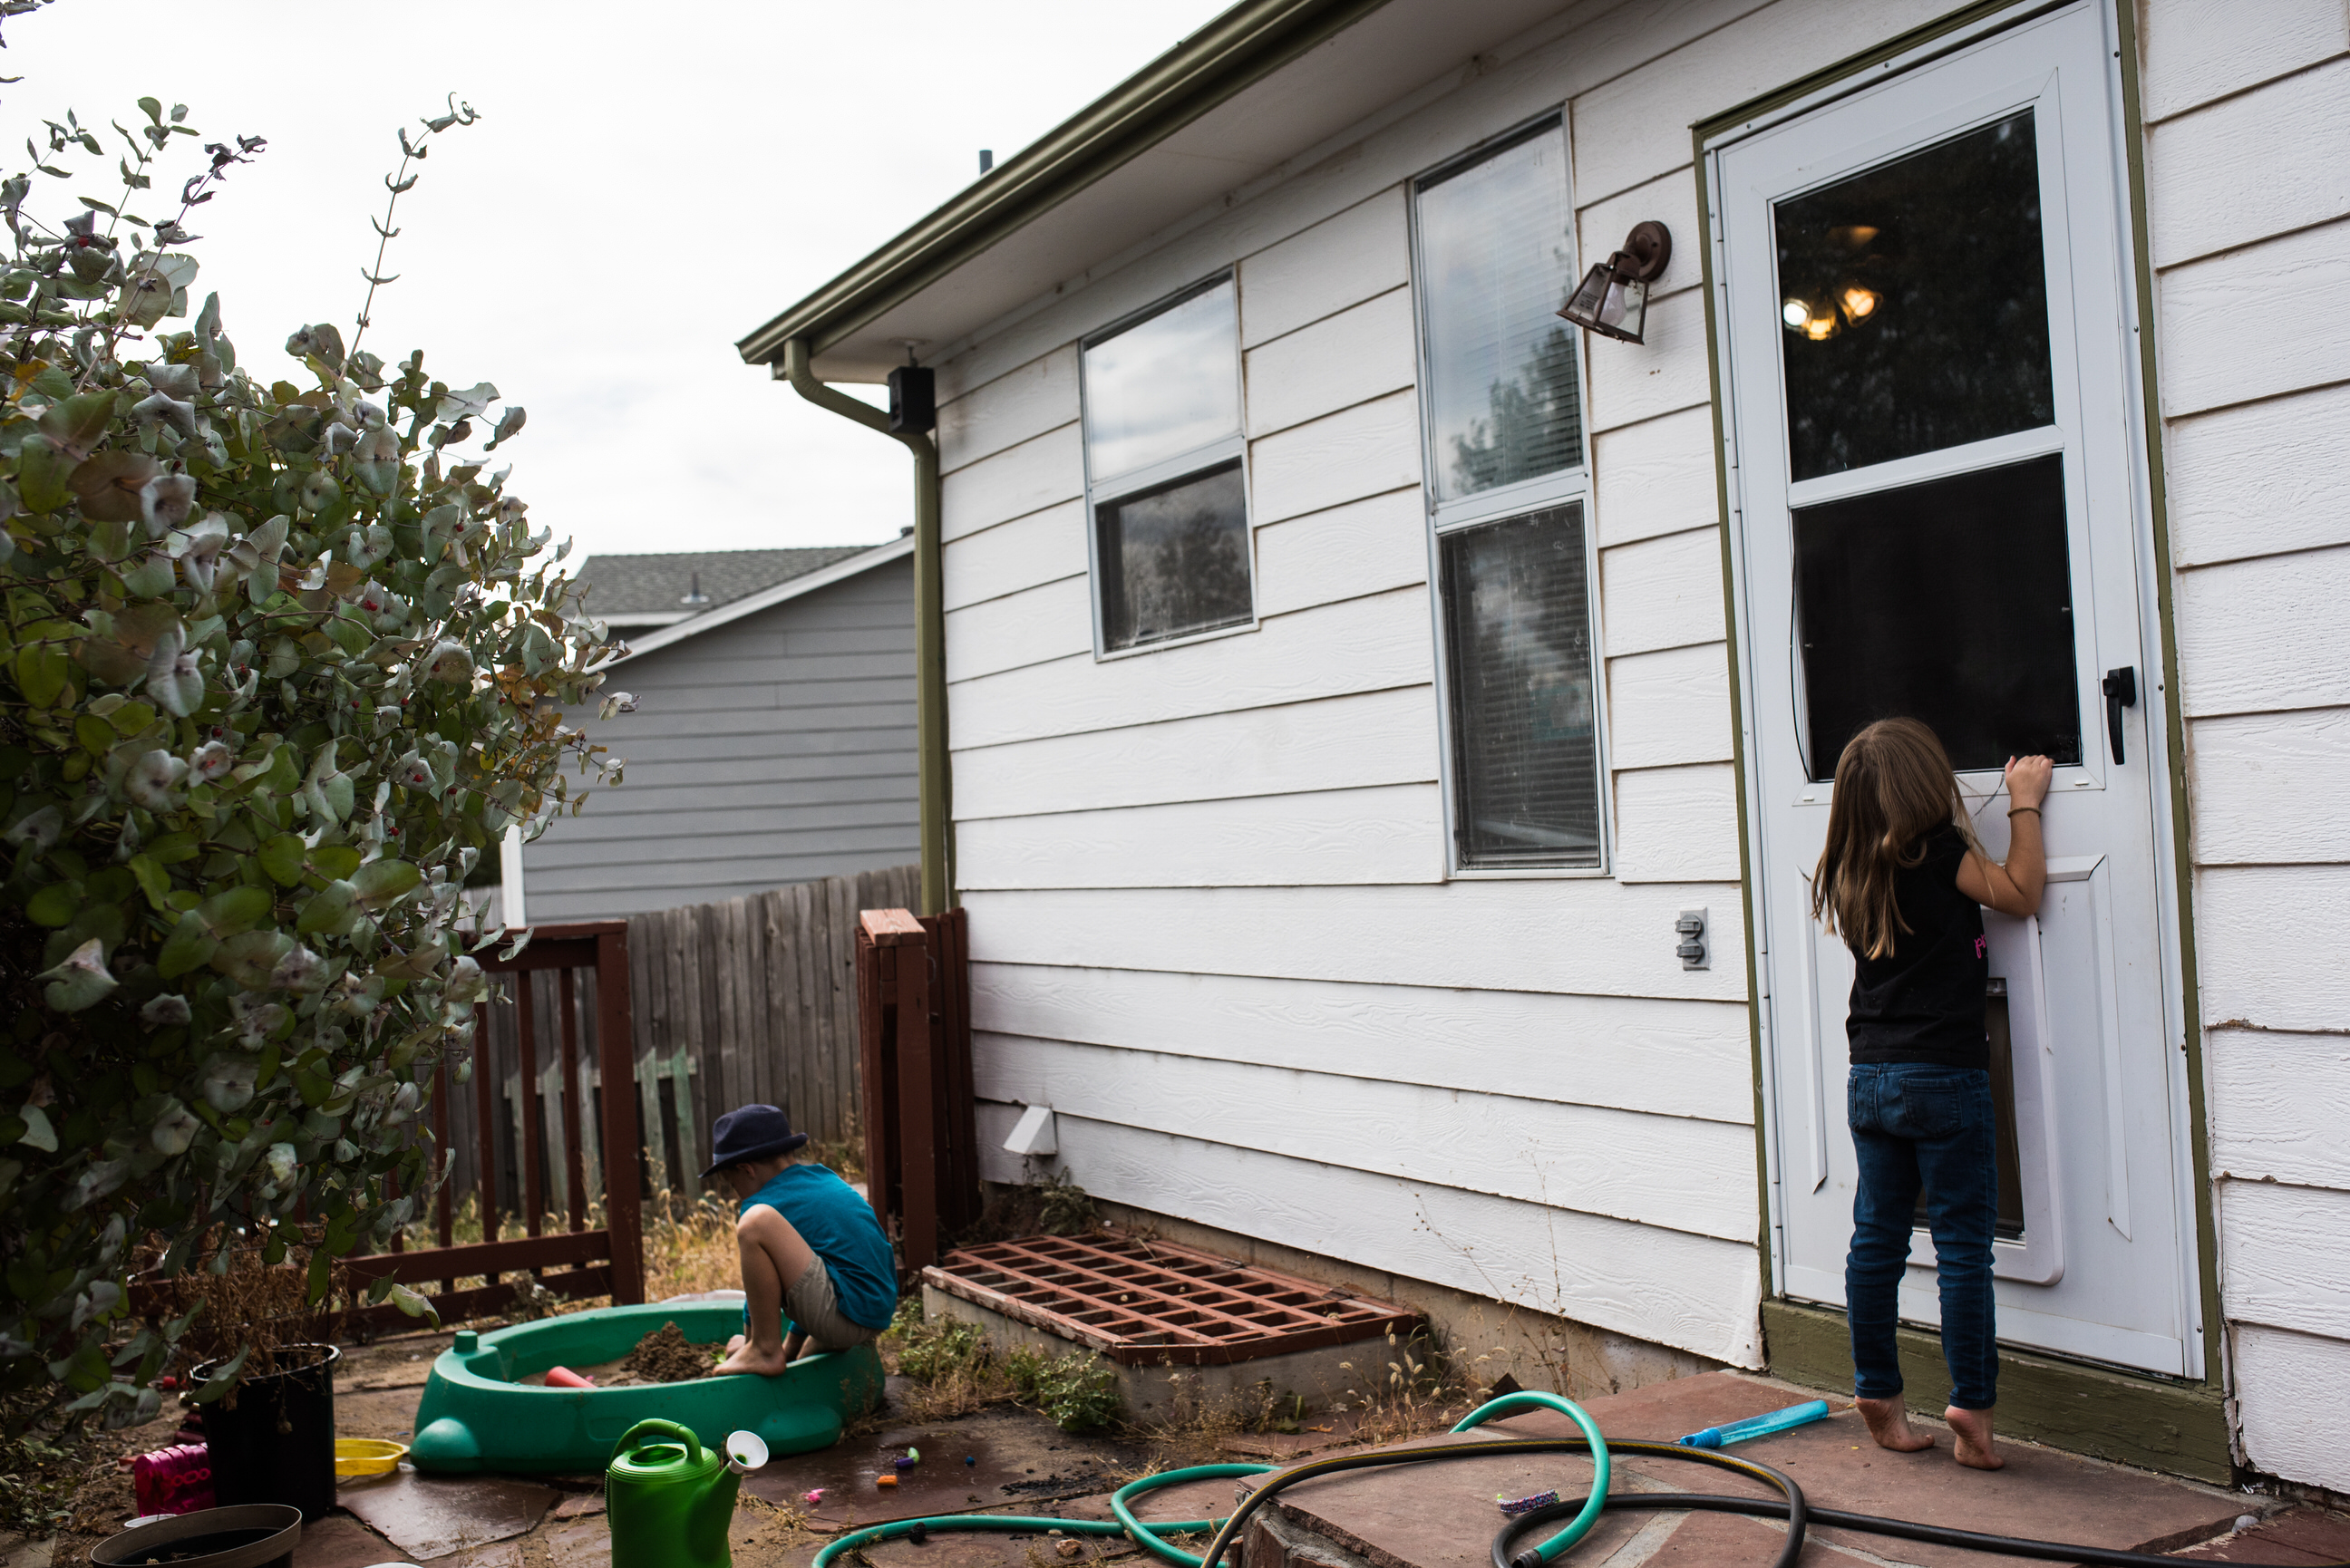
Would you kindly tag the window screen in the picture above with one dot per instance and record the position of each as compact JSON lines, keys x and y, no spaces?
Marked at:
{"x":1503,"y":400}
{"x":1165,"y":474}
{"x":1517,"y":617}
{"x":1949,"y":602}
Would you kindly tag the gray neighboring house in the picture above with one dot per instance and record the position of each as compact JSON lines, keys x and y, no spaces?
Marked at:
{"x":773,"y":737}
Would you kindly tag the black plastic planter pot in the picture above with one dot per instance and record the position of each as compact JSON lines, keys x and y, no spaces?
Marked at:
{"x":256,"y":1535}
{"x":271,"y":1439}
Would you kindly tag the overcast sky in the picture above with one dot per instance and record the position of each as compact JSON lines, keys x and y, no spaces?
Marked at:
{"x":647,"y":184}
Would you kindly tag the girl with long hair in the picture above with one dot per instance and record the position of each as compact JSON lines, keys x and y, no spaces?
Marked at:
{"x":1904,"y":882}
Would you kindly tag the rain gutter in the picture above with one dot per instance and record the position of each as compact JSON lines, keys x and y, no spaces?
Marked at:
{"x":930,"y":625}
{"x":1239,"y":48}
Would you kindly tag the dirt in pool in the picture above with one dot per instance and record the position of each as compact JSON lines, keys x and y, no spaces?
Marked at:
{"x":664,"y":1356}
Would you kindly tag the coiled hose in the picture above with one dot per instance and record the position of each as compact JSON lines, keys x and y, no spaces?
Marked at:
{"x":1580,"y":1513}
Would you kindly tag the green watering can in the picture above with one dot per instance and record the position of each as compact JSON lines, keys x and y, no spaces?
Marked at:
{"x":669,"y":1500}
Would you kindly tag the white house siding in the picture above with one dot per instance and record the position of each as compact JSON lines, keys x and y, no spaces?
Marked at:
{"x":773,"y":749}
{"x":1209,"y":921}
{"x":2248,"y":183}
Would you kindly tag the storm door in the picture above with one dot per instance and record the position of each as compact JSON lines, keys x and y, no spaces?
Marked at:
{"x":1939,"y":514}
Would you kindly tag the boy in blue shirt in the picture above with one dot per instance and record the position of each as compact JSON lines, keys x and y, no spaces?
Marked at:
{"x":810,"y":1247}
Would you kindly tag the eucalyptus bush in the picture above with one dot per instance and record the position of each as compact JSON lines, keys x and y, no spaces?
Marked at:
{"x":282,"y":661}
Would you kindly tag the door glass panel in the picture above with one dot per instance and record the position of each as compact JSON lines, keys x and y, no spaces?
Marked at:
{"x":1951,"y":602}
{"x":1915,"y":303}
{"x":1517,"y":628}
{"x":1174,"y":559}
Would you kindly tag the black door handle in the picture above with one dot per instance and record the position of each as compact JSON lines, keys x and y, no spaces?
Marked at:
{"x":2121,"y":691}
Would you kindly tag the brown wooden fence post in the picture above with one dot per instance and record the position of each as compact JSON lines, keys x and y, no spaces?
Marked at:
{"x":623,"y":1215}
{"x":913,"y":1019}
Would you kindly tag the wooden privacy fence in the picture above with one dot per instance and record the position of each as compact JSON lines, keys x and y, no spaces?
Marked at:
{"x":754,"y":999}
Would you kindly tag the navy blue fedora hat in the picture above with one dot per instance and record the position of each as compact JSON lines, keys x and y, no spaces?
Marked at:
{"x":751,"y":1132}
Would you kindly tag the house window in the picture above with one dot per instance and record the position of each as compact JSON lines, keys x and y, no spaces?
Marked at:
{"x":1165,"y":472}
{"x":1509,"y":504}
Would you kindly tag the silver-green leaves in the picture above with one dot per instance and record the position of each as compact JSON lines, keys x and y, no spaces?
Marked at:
{"x":80,"y":981}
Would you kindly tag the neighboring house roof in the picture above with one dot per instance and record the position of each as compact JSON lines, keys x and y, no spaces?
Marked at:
{"x":1258,"y":93}
{"x":634,"y":591}
{"x":844,"y":563}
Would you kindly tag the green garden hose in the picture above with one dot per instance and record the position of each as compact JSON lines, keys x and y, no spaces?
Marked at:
{"x":1790,"y":1505}
{"x":1121,"y":1502}
{"x":1533,"y":1399}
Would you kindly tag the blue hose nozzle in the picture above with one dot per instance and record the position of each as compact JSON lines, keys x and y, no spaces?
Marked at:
{"x":1756,"y":1426}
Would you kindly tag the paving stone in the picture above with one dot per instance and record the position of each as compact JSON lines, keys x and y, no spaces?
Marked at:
{"x":430,"y":1517}
{"x":2318,"y":1530}
{"x":1718,"y":1540}
{"x":2249,"y":1547}
{"x":339,"y":1541}
{"x":582,"y":1543}
{"x":580,"y":1506}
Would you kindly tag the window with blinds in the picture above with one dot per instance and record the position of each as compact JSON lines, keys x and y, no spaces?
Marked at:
{"x":1165,"y":472}
{"x":1509,"y":500}
{"x":1525,"y":733}
{"x":1496,"y":254}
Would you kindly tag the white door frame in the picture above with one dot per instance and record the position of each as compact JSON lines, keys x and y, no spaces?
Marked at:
{"x":2156,"y":682}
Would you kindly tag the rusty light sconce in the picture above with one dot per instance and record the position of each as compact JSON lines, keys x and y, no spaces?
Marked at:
{"x":1613,"y":298}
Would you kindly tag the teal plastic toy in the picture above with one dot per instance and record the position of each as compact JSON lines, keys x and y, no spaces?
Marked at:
{"x":476,"y":1417}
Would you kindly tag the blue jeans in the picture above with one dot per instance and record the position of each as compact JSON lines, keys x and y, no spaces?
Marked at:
{"x":1913,"y":1123}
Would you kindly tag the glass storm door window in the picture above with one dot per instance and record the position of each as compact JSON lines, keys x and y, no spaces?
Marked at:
{"x":1165,"y":472}
{"x":1939,"y":513}
{"x":1508,"y":494}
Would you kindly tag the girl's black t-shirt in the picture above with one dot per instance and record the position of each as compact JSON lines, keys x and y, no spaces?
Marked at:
{"x":1923,"y":1001}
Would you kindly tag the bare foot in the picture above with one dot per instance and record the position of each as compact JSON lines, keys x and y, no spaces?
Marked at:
{"x":765,"y":1360}
{"x":737,"y":1343}
{"x":1970,"y":1440}
{"x":1888,"y":1423}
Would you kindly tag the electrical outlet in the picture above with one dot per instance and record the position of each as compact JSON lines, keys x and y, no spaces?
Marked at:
{"x":1693,"y":950}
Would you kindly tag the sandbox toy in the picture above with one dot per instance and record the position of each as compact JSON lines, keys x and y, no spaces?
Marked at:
{"x":477,"y":1416}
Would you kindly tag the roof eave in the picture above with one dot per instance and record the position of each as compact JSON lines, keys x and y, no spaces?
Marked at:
{"x":1239,"y":48}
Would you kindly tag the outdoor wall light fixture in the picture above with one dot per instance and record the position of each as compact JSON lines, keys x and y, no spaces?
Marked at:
{"x":1613,"y":298}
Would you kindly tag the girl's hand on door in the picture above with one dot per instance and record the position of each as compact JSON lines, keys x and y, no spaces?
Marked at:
{"x":2027,"y":781}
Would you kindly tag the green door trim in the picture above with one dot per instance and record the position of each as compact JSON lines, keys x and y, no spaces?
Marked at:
{"x":2193,"y":1414}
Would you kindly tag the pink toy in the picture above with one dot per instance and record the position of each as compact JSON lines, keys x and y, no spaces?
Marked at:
{"x":563,"y":1377}
{"x":177,"y":1479}
{"x":815,"y":1497}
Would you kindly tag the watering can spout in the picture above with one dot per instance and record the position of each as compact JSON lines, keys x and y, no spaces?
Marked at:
{"x":745,"y":1452}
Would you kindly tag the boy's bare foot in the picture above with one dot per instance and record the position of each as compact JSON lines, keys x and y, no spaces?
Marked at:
{"x":1888,"y":1423}
{"x":763,"y":1360}
{"x":1971,"y":1439}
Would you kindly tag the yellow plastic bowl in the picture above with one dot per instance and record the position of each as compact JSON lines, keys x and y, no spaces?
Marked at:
{"x":368,"y":1456}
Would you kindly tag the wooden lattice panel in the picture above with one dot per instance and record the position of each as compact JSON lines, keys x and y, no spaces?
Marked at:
{"x":1149,"y":1302}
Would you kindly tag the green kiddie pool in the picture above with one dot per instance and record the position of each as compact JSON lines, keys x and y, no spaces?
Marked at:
{"x":476,"y":1416}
